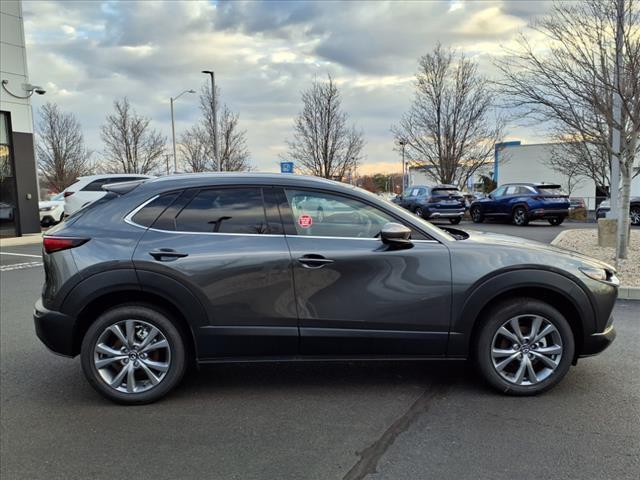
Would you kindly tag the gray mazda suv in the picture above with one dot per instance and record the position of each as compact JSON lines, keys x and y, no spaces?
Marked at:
{"x":209,"y":268}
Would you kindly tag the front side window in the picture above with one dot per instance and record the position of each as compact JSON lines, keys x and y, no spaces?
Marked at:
{"x":499,"y":192}
{"x":322,"y":214}
{"x":224,"y":210}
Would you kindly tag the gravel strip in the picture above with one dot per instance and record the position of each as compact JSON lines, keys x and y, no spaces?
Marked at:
{"x":586,"y":242}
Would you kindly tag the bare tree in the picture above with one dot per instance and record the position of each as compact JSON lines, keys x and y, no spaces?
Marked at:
{"x":232,"y":144}
{"x":131,"y":145}
{"x":323,"y":144}
{"x":194,"y":143}
{"x":451,"y":128}
{"x":60,"y":149}
{"x":570,"y":85}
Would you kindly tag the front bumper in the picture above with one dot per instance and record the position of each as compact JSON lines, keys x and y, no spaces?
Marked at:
{"x":598,"y":342}
{"x":54,"y":329}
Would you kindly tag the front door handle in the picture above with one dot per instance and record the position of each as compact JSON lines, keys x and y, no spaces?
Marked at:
{"x":167,"y":254}
{"x":314,"y":261}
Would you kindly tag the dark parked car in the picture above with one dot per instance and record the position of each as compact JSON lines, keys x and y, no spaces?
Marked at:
{"x":212,"y":268}
{"x":523,"y":202}
{"x":439,"y":201}
{"x":634,"y":210}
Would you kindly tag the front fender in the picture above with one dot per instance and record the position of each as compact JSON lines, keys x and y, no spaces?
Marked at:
{"x":483,"y":292}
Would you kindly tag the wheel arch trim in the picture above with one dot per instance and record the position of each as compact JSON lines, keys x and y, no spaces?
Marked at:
{"x":484,"y":292}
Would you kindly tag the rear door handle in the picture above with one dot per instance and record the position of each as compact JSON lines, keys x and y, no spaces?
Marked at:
{"x":314,"y":261}
{"x":167,"y":254}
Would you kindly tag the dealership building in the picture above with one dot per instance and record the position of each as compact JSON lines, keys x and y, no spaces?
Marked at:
{"x":515,"y":162}
{"x":18,"y":178}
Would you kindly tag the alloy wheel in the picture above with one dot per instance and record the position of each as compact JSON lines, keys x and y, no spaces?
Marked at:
{"x":475,"y":214}
{"x":526,"y":350}
{"x":519,"y":216}
{"x":419,"y":212}
{"x":635,"y":215}
{"x":132,"y":356}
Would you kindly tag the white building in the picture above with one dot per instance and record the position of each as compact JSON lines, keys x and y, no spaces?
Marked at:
{"x":515,"y":163}
{"x":529,"y":163}
{"x":18,"y":181}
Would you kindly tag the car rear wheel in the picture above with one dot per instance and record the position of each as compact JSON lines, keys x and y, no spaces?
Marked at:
{"x":520,"y":216}
{"x":455,"y":221}
{"x":419,"y":212}
{"x":524,"y":347}
{"x":476,"y":215}
{"x":133,"y":354}
{"x":556,"y":220}
{"x":635,"y":215}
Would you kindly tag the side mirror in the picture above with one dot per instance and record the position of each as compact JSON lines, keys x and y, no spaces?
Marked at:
{"x":395,"y":234}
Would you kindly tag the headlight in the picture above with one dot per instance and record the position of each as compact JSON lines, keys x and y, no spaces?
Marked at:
{"x":600,"y":274}
{"x":46,"y":209}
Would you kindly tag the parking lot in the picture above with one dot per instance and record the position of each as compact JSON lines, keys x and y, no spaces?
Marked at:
{"x":387,"y":420}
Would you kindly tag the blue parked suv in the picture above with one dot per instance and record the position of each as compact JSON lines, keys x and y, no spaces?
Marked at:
{"x":438,"y":201}
{"x":522,"y":202}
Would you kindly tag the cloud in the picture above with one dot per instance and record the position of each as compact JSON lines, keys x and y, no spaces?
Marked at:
{"x":264,"y":54}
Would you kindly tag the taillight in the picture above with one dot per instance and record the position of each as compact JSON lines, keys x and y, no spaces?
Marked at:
{"x":55,"y":244}
{"x":68,"y":194}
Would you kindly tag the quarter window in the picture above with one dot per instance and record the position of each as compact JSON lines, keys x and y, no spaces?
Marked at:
{"x":152,"y":210}
{"x":225,"y":210}
{"x":325,"y":215}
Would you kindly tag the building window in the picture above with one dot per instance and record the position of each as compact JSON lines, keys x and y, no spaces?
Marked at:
{"x":8,"y":207}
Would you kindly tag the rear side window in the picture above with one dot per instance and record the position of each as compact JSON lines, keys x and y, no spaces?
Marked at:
{"x":224,"y":210}
{"x":96,"y":185}
{"x":152,"y":210}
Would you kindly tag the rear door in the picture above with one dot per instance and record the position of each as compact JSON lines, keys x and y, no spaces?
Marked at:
{"x":354,"y":294}
{"x":226,"y":244}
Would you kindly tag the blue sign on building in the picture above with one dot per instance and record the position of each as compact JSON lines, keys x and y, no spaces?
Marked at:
{"x":286,"y":167}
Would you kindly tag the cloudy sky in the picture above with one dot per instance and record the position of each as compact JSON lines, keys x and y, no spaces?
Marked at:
{"x":263,"y":53}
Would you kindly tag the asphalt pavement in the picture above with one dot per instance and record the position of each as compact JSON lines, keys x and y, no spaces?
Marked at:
{"x":386,"y":420}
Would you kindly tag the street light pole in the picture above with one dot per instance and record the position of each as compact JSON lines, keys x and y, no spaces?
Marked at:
{"x":173,"y":128}
{"x":402,"y":144}
{"x":214,"y":108}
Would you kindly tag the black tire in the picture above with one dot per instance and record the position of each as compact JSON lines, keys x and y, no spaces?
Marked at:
{"x":519,"y":216}
{"x":455,"y":221}
{"x":476,"y":215}
{"x":419,"y":212}
{"x":496,"y":318}
{"x":634,"y":213}
{"x":152,"y":316}
{"x":555,"y":220}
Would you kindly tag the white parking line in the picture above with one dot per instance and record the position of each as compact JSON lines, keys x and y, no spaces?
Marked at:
{"x":19,"y":266}
{"x":21,"y":254}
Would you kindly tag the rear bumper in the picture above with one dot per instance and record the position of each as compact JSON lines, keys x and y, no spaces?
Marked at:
{"x":54,"y":329}
{"x":444,"y":212}
{"x":598,"y":342}
{"x":548,"y":213}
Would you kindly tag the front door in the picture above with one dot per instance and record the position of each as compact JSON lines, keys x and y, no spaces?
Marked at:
{"x":226,"y":245}
{"x":354,"y":294}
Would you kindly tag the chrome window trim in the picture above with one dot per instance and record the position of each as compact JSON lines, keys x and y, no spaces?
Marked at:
{"x":130,"y":215}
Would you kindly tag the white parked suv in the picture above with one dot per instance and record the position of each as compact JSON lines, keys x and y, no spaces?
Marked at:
{"x":52,"y":210}
{"x":89,"y":189}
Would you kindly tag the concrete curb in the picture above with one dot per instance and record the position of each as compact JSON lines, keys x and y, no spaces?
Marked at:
{"x":561,"y":235}
{"x":628,"y":293}
{"x":624,"y":292}
{"x":30,"y":239}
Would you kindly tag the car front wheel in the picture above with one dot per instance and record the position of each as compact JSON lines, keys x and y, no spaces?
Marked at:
{"x":419,"y":212}
{"x":454,"y":221}
{"x":556,"y":220}
{"x":524,"y":347}
{"x":133,"y":354}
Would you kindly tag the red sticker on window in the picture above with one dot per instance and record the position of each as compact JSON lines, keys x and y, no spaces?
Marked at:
{"x":305,"y":221}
